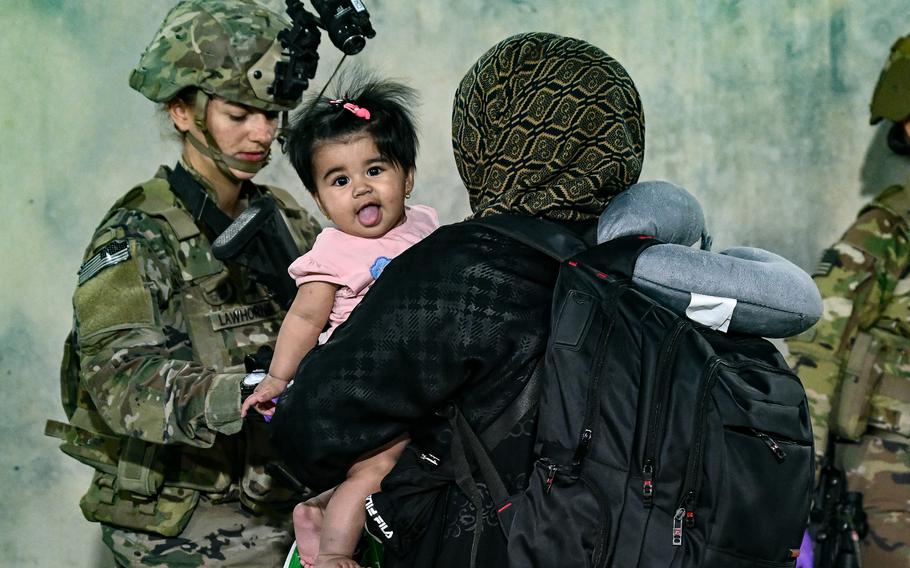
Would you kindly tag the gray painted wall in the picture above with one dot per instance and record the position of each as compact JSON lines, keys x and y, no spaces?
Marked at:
{"x":758,"y":107}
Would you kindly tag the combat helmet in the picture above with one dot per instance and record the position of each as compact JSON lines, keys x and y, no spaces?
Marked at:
{"x":891,"y":99}
{"x":224,"y":48}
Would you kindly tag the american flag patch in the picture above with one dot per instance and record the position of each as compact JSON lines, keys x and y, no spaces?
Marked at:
{"x":113,"y":253}
{"x":829,"y":260}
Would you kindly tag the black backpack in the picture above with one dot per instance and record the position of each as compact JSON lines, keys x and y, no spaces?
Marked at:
{"x":659,"y":442}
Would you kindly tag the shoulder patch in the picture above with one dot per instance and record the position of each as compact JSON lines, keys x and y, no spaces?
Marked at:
{"x":830,"y":258}
{"x":113,"y":253}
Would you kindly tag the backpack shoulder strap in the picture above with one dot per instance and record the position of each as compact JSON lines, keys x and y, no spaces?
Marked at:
{"x":617,"y":257}
{"x":549,"y":238}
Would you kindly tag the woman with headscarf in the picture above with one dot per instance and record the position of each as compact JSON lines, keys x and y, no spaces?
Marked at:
{"x":543,"y":126}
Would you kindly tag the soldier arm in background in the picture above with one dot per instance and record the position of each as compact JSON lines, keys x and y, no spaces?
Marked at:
{"x":138,"y":370}
{"x":856,"y":277}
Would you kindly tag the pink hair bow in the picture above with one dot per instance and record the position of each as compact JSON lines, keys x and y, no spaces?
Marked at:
{"x":358,"y":111}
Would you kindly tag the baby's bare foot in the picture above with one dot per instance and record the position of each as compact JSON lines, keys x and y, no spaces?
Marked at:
{"x":307,"y":529}
{"x":335,"y":561}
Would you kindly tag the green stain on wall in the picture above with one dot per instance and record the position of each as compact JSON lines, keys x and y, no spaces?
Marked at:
{"x":837,"y":49}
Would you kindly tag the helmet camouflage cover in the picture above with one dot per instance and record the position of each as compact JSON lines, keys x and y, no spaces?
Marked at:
{"x":226,"y":48}
{"x":891,"y":99}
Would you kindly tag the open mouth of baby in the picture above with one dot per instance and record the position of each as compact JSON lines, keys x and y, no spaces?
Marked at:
{"x":369,"y":215}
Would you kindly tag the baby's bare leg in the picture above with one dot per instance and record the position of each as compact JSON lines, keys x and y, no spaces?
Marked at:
{"x":344,"y":516}
{"x":308,"y":526}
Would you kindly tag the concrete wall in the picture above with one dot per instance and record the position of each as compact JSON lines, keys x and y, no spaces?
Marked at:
{"x":758,"y":107}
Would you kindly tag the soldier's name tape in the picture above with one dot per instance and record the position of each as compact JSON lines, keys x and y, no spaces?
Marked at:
{"x":242,"y":315}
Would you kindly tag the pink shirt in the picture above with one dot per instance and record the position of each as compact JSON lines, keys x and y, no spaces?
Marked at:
{"x":354,"y":263}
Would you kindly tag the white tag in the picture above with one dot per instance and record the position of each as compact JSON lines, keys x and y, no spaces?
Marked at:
{"x":712,"y":311}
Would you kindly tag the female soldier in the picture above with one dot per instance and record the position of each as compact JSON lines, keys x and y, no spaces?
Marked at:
{"x":153,"y":367}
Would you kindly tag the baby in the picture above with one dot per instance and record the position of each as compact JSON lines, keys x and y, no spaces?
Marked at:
{"x":356,"y":156}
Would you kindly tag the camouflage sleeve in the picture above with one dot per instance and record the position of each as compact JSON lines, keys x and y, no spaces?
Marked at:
{"x":309,"y":227}
{"x":134,"y":360}
{"x":856,"y":278}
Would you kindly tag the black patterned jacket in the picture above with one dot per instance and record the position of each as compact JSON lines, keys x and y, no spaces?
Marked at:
{"x":460,"y":317}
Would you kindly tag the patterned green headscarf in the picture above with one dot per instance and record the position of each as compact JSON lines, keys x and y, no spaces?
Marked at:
{"x":549,"y":126}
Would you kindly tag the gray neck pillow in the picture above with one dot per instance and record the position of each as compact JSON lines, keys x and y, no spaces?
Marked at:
{"x":742,"y":289}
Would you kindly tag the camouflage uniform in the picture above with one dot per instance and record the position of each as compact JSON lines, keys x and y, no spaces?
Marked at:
{"x":152,"y":368}
{"x":151,"y":386}
{"x":855,"y":365}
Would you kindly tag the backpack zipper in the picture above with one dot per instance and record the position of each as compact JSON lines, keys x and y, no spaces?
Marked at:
{"x":655,"y":424}
{"x":600,"y":547}
{"x":587,"y":427}
{"x":552,"y":469}
{"x":555,"y":470}
{"x":775,"y":443}
{"x":587,"y":430}
{"x":686,"y":510}
{"x":678,"y":526}
{"x":772,"y":444}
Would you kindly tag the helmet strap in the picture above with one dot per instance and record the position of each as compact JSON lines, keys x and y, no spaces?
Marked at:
{"x":223,"y":162}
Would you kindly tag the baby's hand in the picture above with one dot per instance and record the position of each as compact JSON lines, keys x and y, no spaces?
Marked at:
{"x":261,"y":399}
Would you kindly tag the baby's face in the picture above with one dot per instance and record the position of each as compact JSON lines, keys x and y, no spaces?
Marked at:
{"x":359,"y":190}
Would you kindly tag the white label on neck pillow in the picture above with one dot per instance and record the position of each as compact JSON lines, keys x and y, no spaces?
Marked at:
{"x":712,"y":311}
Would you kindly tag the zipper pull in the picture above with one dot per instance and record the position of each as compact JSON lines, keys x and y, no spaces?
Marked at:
{"x":647,"y":483}
{"x":678,"y":526}
{"x":551,"y":476}
{"x":584,"y":444}
{"x":772,"y":444}
{"x":690,"y":510}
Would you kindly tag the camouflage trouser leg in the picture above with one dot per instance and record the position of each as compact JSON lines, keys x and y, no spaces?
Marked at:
{"x":888,"y":543}
{"x":217,"y":535}
{"x":879,"y":467}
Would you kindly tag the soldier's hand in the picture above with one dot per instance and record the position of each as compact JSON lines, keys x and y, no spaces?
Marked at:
{"x":263,"y":398}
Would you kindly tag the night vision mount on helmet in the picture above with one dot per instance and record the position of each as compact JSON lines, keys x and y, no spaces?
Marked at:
{"x":245,"y":53}
{"x":348,"y":25}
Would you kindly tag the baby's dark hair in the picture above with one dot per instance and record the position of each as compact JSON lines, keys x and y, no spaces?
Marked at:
{"x":391,"y":123}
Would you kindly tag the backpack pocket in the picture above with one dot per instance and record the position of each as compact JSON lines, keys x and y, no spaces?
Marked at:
{"x":759,"y":466}
{"x":166,"y":512}
{"x":762,"y":477}
{"x":562,"y":517}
